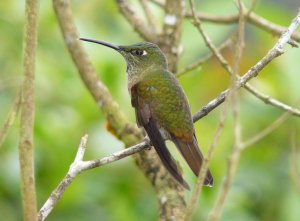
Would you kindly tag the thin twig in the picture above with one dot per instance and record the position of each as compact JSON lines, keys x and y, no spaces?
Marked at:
{"x":170,"y":39}
{"x":227,"y":67}
{"x":252,"y":18}
{"x":293,"y":43}
{"x":204,"y":59}
{"x":202,"y":174}
{"x":210,"y":105}
{"x":273,"y":53}
{"x":200,"y":180}
{"x":270,"y":26}
{"x":78,"y":166}
{"x":236,"y":151}
{"x":240,"y":43}
{"x":208,"y":41}
{"x":150,"y":17}
{"x":13,"y":112}
{"x":250,"y":10}
{"x":26,"y":153}
{"x":139,"y":26}
{"x":265,"y":132}
{"x":250,"y":74}
{"x":61,"y":188}
{"x":269,"y":100}
{"x":239,"y":47}
{"x":227,"y":182}
{"x":160,"y":3}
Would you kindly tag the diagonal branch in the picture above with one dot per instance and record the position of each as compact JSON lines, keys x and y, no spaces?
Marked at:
{"x":139,"y":26}
{"x":265,"y":132}
{"x":149,"y":15}
{"x":202,"y":174}
{"x":13,"y":112}
{"x":236,"y":150}
{"x":204,"y":59}
{"x":252,"y":18}
{"x":269,"y":100}
{"x":228,"y":68}
{"x":78,"y":166}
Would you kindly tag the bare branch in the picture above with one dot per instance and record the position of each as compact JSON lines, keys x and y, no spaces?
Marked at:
{"x":169,"y":42}
{"x":208,"y":41}
{"x":252,"y":18}
{"x":273,"y":53}
{"x":13,"y":112}
{"x":227,"y":182}
{"x":160,"y":3}
{"x":139,"y":26}
{"x":269,"y":26}
{"x":64,"y":184}
{"x":265,"y":132}
{"x":202,"y":174}
{"x":269,"y":100}
{"x":201,"y":61}
{"x":78,"y":166}
{"x":251,"y":9}
{"x":276,"y":51}
{"x":293,"y":43}
{"x":200,"y":180}
{"x":236,"y":151}
{"x":150,"y":17}
{"x":210,"y":105}
{"x":115,"y":156}
{"x":26,"y":152}
{"x":240,"y":43}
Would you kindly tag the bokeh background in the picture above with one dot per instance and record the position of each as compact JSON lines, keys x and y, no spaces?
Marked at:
{"x":262,"y":189}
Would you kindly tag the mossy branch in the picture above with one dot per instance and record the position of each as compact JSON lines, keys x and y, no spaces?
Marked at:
{"x":26,"y":153}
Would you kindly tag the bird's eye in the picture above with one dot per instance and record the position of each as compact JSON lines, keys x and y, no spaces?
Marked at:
{"x":138,"y":52}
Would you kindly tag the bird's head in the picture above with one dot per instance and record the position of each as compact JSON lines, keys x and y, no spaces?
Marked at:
{"x":139,"y":57}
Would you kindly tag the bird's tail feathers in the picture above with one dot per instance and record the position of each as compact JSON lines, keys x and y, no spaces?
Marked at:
{"x":193,"y":156}
{"x":163,"y":153}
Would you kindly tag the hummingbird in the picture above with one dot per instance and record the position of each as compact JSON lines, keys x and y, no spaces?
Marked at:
{"x":161,"y":106}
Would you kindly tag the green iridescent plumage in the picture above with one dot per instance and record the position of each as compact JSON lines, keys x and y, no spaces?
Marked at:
{"x":166,"y":98}
{"x":161,"y":106}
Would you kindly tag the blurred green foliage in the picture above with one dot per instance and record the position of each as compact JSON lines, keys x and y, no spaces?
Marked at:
{"x":262,"y":190}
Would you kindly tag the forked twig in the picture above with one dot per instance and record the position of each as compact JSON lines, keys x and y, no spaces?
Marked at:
{"x":78,"y":166}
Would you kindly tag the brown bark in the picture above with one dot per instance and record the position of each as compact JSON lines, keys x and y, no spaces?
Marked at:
{"x":26,"y":155}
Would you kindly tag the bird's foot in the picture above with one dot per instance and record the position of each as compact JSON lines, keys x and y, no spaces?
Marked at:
{"x":148,"y":141}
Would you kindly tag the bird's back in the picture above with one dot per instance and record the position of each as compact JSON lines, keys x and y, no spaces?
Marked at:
{"x":167,"y":102}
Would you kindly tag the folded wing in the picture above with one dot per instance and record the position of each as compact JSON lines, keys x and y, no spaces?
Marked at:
{"x":145,"y":119}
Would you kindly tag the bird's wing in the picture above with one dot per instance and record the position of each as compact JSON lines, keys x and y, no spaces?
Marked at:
{"x":192,"y":155}
{"x":145,"y":119}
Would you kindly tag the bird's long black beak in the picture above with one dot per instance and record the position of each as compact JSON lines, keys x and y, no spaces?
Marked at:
{"x":116,"y":47}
